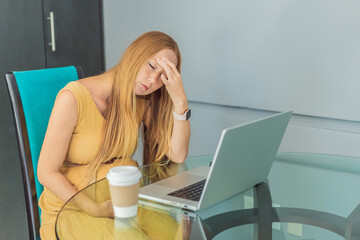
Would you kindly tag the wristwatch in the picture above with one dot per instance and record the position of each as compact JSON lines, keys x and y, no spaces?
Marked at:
{"x":182,"y":117}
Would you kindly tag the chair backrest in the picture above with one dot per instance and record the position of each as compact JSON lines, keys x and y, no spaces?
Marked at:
{"x":32,"y":96}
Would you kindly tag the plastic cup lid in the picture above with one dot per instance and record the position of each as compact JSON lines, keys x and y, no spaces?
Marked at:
{"x":123,"y":173}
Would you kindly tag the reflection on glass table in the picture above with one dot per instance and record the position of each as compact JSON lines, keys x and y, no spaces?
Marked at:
{"x":153,"y":221}
{"x":308,"y":196}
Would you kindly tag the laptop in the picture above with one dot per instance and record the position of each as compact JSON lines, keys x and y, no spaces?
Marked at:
{"x":243,"y":158}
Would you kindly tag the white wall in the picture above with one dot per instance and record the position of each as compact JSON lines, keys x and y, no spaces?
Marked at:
{"x":273,"y":55}
{"x":304,"y":133}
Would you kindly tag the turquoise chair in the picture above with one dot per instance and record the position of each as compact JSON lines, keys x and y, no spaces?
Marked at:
{"x":32,"y":95}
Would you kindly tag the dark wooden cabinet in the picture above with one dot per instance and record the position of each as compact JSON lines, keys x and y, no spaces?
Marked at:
{"x":24,"y":37}
{"x":77,"y":34}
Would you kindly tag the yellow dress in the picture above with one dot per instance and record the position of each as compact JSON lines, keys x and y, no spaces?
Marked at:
{"x":83,"y":147}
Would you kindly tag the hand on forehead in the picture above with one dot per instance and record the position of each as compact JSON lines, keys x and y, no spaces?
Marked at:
{"x":167,"y":53}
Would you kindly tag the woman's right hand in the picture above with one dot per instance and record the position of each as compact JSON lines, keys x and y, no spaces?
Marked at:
{"x":104,"y":209}
{"x":94,"y":209}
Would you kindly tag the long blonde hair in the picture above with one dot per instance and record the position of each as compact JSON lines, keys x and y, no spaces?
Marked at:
{"x":126,"y":111}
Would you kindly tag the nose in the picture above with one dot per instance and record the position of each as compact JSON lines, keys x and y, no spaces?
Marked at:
{"x":153,"y":77}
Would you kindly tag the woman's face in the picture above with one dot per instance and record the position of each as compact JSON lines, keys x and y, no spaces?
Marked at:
{"x":148,"y":78}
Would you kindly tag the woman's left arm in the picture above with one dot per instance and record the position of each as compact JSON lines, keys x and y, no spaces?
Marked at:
{"x":181,"y":130}
{"x":180,"y":138}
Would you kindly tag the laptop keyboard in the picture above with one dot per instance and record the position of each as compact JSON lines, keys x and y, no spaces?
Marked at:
{"x":191,"y":192}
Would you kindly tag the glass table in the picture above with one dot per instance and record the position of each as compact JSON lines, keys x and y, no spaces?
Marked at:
{"x":307,"y":196}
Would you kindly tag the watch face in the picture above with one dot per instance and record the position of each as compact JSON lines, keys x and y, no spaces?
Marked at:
{"x":188,"y":114}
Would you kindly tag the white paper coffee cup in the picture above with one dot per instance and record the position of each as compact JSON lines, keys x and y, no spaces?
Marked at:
{"x":124,"y":190}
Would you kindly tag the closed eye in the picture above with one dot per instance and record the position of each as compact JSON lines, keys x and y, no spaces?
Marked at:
{"x":151,"y":66}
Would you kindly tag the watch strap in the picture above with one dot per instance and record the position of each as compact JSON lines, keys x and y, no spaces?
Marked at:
{"x":182,"y":117}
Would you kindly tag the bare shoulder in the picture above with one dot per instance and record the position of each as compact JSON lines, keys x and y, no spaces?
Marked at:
{"x":87,"y":82}
{"x":91,"y":83}
{"x":65,"y":106}
{"x":65,"y":97}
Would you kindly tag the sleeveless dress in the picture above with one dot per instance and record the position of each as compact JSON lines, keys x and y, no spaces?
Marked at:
{"x":83,"y":147}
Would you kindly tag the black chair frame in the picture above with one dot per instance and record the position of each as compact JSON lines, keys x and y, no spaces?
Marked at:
{"x":27,"y":170}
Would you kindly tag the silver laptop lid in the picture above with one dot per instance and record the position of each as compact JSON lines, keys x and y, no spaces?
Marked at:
{"x":246,"y":151}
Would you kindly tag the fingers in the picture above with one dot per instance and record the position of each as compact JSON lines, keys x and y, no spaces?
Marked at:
{"x":164,"y":79}
{"x":168,"y":66}
{"x":165,"y":66}
{"x":172,"y":80}
{"x":172,"y":66}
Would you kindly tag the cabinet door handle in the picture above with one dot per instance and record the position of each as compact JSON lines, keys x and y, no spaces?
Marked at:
{"x":52,"y":30}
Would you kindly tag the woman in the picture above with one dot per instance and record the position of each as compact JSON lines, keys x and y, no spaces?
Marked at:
{"x":95,"y":123}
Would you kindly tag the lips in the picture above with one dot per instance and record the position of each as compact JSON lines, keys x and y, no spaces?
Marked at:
{"x":146,"y":88}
